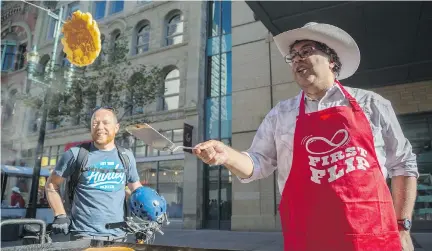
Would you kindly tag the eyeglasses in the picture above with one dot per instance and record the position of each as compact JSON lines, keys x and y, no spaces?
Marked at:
{"x":303,"y":53}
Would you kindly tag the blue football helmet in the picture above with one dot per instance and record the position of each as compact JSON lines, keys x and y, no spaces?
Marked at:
{"x":146,"y":204}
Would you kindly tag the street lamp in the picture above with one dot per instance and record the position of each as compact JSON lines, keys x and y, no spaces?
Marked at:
{"x":47,"y":80}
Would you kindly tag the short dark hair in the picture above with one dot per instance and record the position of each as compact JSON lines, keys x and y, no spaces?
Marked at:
{"x":327,"y":50}
{"x":108,"y":108}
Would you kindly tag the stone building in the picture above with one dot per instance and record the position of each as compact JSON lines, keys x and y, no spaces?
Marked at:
{"x":227,"y":74}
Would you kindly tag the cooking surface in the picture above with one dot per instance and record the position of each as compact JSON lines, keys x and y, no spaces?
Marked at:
{"x":93,"y":245}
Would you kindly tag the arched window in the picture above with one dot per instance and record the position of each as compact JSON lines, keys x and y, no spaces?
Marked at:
{"x":172,"y":90}
{"x":174,"y":30}
{"x":142,"y":39}
{"x":115,"y":42}
{"x":12,"y":53}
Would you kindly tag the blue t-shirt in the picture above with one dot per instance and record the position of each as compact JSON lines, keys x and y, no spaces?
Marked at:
{"x":99,"y":196}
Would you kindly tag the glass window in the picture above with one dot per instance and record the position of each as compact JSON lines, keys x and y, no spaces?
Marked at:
{"x":212,"y":193}
{"x":215,"y":18}
{"x":147,"y":173}
{"x":116,"y":6}
{"x":172,"y":86}
{"x":17,"y":192}
{"x":220,"y":18}
{"x":225,"y":74}
{"x":171,"y":186}
{"x":214,"y":77}
{"x":171,"y":103}
{"x":51,"y":26}
{"x":175,"y":30}
{"x":99,"y":9}
{"x":140,"y":148}
{"x":172,"y":89}
{"x":212,"y":118}
{"x":8,"y":56}
{"x":226,"y":116}
{"x":178,"y":135}
{"x":226,"y":17}
{"x":143,"y":39}
{"x":72,"y":7}
{"x":213,"y":46}
{"x":226,"y":44}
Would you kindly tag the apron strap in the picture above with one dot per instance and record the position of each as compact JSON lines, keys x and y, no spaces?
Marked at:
{"x":351,"y":100}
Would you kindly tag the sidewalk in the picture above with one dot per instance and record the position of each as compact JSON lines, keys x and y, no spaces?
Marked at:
{"x":233,"y":240}
{"x":252,"y":241}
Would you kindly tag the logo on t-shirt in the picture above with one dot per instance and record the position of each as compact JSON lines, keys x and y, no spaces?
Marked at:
{"x":106,"y":181}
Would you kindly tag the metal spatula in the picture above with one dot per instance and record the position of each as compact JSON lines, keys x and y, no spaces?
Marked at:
{"x":153,"y":138}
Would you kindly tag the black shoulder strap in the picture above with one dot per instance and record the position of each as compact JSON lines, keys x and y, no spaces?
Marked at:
{"x":124,"y":159}
{"x":126,"y":165}
{"x":80,"y":165}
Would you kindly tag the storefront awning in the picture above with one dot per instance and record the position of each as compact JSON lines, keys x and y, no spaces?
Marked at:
{"x":395,"y":38}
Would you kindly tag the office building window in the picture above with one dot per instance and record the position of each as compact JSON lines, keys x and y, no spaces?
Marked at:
{"x":116,"y":6}
{"x":72,"y":7}
{"x":172,"y":90}
{"x":174,"y":30}
{"x":218,"y":112}
{"x":99,"y":9}
{"x":51,"y":26}
{"x":143,"y":38}
{"x":167,"y":178}
{"x":9,"y":50}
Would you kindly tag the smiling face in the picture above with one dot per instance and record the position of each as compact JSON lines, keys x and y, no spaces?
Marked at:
{"x":104,"y":127}
{"x":310,"y":66}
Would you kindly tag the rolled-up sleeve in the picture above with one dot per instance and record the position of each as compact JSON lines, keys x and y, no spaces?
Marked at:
{"x":263,"y":149}
{"x":400,"y":159}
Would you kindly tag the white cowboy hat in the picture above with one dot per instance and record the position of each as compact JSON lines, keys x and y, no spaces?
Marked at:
{"x":335,"y":38}
{"x":16,"y":190}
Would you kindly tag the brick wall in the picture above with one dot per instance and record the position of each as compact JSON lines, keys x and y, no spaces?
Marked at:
{"x":408,"y":98}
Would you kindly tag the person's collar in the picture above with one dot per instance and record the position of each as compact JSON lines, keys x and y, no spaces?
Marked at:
{"x":335,"y":88}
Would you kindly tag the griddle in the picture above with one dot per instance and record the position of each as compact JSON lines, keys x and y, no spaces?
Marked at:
{"x":81,"y":245}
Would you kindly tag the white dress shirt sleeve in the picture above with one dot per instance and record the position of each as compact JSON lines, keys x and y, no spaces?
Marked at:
{"x":400,"y":160}
{"x":263,"y":149}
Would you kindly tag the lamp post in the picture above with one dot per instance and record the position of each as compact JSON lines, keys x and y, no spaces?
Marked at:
{"x":49,"y":78}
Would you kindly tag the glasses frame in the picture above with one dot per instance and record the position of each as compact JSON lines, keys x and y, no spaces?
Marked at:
{"x":303,"y":53}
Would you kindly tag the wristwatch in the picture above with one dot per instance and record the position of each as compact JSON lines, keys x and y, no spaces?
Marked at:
{"x":405,"y":224}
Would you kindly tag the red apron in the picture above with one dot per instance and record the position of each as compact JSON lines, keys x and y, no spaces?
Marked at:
{"x":336,"y":197}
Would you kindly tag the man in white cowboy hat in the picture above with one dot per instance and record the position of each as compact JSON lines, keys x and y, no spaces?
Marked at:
{"x":16,"y":198}
{"x":333,"y":147}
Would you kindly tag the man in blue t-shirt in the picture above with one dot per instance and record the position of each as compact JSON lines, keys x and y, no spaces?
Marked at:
{"x":99,"y":195}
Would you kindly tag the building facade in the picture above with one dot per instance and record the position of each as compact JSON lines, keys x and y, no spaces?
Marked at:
{"x":167,"y":34}
{"x":17,"y":37}
{"x":224,"y":74}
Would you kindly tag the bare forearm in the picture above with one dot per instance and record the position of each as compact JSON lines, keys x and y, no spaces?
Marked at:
{"x":239,"y":164}
{"x":54,"y":199}
{"x":404,"y":190}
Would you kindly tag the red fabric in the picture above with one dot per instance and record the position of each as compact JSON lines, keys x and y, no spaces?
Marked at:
{"x":16,"y":198}
{"x":72,"y":144}
{"x":336,"y":197}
